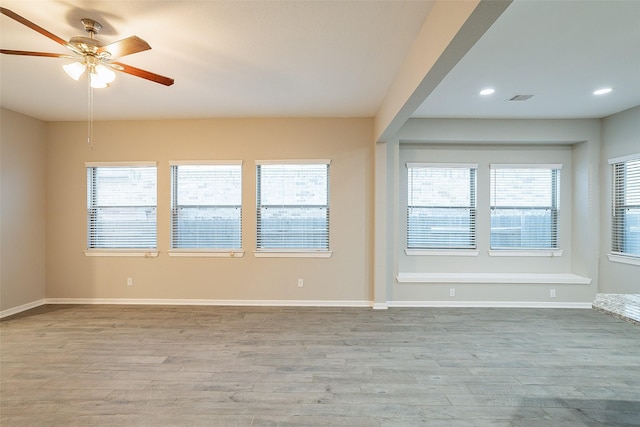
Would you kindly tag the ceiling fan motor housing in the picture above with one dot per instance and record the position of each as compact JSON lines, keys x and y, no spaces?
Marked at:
{"x":91,"y":26}
{"x":86,"y":45}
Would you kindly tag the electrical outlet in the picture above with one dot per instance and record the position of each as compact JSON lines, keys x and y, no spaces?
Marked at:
{"x":129,"y":281}
{"x":452,"y":292}
{"x":552,"y":293}
{"x":300,"y":283}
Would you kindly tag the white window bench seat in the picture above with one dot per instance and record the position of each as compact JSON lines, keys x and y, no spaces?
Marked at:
{"x":494,"y":278}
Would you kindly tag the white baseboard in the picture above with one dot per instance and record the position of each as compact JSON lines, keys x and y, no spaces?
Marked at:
{"x":295,"y":303}
{"x":21,"y":308}
{"x":489,"y":304}
{"x":212,"y":302}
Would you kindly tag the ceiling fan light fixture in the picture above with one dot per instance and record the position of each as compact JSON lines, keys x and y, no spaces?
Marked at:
{"x":74,"y":70}
{"x":100,"y":76}
{"x":105,"y":74}
{"x":96,"y":82}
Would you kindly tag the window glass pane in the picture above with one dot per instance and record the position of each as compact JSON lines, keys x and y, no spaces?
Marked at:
{"x":522,"y":228}
{"x":202,"y":185}
{"x":293,"y":227}
{"x":522,"y":187}
{"x":207,"y":206}
{"x":124,"y":186}
{"x":632,"y":190}
{"x":293,"y":206}
{"x":294,"y":184}
{"x":121,"y":207}
{"x":440,"y":187}
{"x":524,"y":208}
{"x":441,"y":211}
{"x":632,"y":232}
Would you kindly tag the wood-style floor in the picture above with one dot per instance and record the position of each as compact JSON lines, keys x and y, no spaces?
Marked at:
{"x":213,"y":366}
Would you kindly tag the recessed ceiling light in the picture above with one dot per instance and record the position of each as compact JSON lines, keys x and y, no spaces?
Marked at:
{"x":602,"y":91}
{"x":488,"y":91}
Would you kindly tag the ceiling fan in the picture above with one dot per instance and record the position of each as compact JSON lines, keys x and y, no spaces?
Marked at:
{"x":93,"y":56}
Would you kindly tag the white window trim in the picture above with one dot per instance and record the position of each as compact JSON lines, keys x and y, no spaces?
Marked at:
{"x":119,"y":164}
{"x":441,"y":252}
{"x":623,"y":259}
{"x":191,"y":253}
{"x":446,"y":251}
{"x":443,"y":165}
{"x":525,"y":166}
{"x":121,"y":253}
{"x":128,"y":252}
{"x":294,"y":162}
{"x":526,"y":252}
{"x":519,"y":252}
{"x":619,"y":257}
{"x":204,"y":162}
{"x":209,"y":253}
{"x":296,"y":253}
{"x":291,"y":254}
{"x":623,"y":159}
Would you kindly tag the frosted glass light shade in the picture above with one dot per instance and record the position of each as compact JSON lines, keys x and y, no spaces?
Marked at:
{"x":101,"y":77}
{"x":96,"y":82}
{"x":105,"y":74}
{"x":74,"y":70}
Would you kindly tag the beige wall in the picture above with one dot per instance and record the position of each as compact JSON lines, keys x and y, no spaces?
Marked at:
{"x":22,"y":210}
{"x":43,"y":207}
{"x":621,"y":137}
{"x":345,"y":277}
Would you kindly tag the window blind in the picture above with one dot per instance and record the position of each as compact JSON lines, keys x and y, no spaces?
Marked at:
{"x":121,"y":207}
{"x":524,"y":206}
{"x":293,"y":206}
{"x":206,"y":206}
{"x":441,"y":206}
{"x":625,"y":212}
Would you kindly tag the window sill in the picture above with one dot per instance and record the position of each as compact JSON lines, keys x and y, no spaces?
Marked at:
{"x":441,"y":252}
{"x":494,"y":278}
{"x":291,"y":254}
{"x":624,"y":259}
{"x":526,"y":253}
{"x":121,"y":253}
{"x":206,"y":254}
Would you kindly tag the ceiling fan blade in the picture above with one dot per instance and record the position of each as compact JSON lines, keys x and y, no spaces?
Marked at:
{"x":167,"y":81}
{"x":29,"y":53}
{"x":33,"y":26}
{"x":133,"y":44}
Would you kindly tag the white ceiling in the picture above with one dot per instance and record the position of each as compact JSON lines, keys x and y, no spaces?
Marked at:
{"x":559,"y":51}
{"x":322,"y":59}
{"x":228,"y":58}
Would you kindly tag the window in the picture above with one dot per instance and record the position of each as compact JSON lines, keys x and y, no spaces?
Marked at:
{"x":293,"y":206}
{"x":524,"y":206}
{"x":206,"y":205}
{"x":625,"y":212}
{"x":441,"y":206}
{"x":121,"y":206}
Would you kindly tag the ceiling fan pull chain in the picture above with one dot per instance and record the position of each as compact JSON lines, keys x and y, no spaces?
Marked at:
{"x":90,"y":114}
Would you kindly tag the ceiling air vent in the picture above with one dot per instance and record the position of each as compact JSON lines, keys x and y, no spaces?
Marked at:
{"x":519,"y":97}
